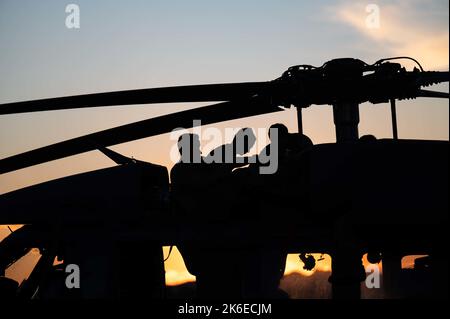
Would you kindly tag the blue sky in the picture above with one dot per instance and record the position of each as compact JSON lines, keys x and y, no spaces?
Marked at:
{"x":138,"y":44}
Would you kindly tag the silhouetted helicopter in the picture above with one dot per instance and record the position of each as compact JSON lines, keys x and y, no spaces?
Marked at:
{"x":386,"y":197}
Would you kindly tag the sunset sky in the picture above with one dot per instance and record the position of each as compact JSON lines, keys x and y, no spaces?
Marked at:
{"x":139,"y":44}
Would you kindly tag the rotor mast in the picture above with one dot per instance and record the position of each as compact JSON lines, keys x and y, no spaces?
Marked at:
{"x":346,"y":120}
{"x":345,"y":109}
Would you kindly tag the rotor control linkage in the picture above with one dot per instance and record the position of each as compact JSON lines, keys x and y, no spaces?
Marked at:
{"x":345,"y":83}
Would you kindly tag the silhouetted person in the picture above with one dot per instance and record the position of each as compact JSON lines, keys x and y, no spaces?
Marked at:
{"x":224,"y":276}
{"x":262,"y":265}
{"x":188,"y":176}
{"x":266,"y":264}
{"x":187,"y":186}
{"x":197,"y":197}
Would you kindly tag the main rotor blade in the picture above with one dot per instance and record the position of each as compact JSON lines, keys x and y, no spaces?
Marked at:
{"x":432,"y":77}
{"x":192,"y":93}
{"x":428,"y":93}
{"x":114,"y":156}
{"x":146,"y":128}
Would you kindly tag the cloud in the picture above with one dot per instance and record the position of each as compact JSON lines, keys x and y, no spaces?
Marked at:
{"x":413,"y":28}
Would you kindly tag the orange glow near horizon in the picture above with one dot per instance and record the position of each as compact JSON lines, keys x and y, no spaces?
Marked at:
{"x":175,"y":269}
{"x":176,"y":272}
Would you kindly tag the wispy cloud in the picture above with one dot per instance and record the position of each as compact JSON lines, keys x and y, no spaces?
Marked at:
{"x":415,"y":28}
